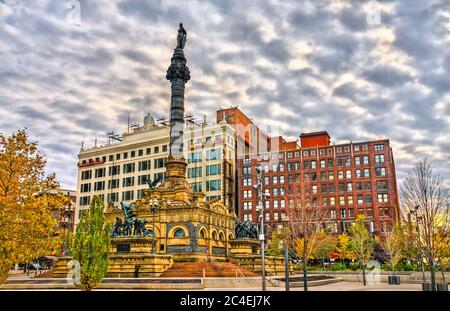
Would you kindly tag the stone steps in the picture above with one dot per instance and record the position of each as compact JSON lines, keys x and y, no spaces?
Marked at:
{"x":195,"y":269}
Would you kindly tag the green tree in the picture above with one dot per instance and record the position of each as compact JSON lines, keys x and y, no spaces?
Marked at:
{"x":91,"y":245}
{"x":28,"y":228}
{"x":361,"y":243}
{"x":276,"y":245}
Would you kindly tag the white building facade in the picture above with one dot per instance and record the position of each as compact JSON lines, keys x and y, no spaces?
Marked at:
{"x":118,"y":172}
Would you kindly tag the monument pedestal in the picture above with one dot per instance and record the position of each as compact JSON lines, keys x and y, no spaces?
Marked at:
{"x":244,"y":247}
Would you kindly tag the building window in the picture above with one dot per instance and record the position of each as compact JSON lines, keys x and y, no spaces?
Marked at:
{"x":340,"y":174}
{"x":156,"y":149}
{"x":85,"y":200}
{"x":281,"y":167}
{"x":333,"y":214}
{"x":85,"y":188}
{"x":246,"y":160}
{"x":247,"y":170}
{"x":179,"y":233}
{"x":379,"y":158}
{"x":125,"y":155}
{"x":114,"y":170}
{"x":247,"y":194}
{"x":128,"y":195}
{"x":215,"y":169}
{"x":267,"y":217}
{"x":330,"y":175}
{"x":382,"y":198}
{"x":111,"y":158}
{"x":360,"y":199}
{"x":213,"y":185}
{"x":313,"y":165}
{"x":195,"y":157}
{"x":349,"y":187}
{"x":358,"y":173}
{"x":133,"y":154}
{"x":314,"y":189}
{"x":359,"y":186}
{"x":247,"y":205}
{"x":349,"y":199}
{"x":275,"y":203}
{"x":113,"y":197}
{"x":357,"y":161}
{"x":282,"y":203}
{"x":247,"y":217}
{"x":366,"y":172}
{"x":342,"y":213}
{"x":99,"y":185}
{"x":159,"y":163}
{"x":86,"y":175}
{"x":330,"y":163}
{"x":379,"y":147}
{"x":113,"y":183}
{"x":100,"y":172}
{"x":348,"y":174}
{"x":341,"y":200}
{"x":382,"y":185}
{"x":356,"y":148}
{"x":140,"y":193}
{"x":143,"y":179}
{"x":128,"y":168}
{"x":144,"y":165}
{"x":247,"y":182}
{"x":380,"y":171}
{"x":266,"y":180}
{"x":332,"y":201}
{"x":365,"y":159}
{"x":194,"y":172}
{"x":324,"y":201}
{"x":213,"y":154}
{"x":275,"y":180}
{"x":197,"y":186}
{"x":164,"y":148}
{"x":275,"y":192}
{"x":128,"y":182}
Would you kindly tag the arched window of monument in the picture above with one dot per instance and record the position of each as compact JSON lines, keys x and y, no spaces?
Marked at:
{"x":214,"y":235}
{"x":202,"y":234}
{"x":221,"y":236}
{"x":230,"y":236}
{"x":179,"y":233}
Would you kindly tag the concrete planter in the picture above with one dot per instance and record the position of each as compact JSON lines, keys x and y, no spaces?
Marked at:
{"x":442,"y":287}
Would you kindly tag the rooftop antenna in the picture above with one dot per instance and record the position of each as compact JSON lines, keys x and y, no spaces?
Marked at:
{"x":95,"y":142}
{"x":82,"y":145}
{"x":111,"y":136}
{"x":128,"y":130}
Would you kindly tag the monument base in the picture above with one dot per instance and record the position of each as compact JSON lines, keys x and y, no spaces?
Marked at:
{"x":245,"y":247}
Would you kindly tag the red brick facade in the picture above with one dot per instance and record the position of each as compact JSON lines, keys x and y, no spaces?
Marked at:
{"x":345,"y":180}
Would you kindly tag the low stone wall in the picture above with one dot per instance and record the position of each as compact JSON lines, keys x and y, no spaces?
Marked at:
{"x":273,"y":265}
{"x":125,"y":265}
{"x":405,"y":277}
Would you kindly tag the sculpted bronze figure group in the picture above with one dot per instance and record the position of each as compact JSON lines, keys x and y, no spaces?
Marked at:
{"x":246,"y":230}
{"x":131,"y":226}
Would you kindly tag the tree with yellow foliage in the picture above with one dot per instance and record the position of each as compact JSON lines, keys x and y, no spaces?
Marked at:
{"x":361,"y":243}
{"x":343,"y":248}
{"x":27,"y":226}
{"x":392,"y":243}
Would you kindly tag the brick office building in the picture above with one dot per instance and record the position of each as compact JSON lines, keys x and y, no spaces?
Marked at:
{"x":345,"y":180}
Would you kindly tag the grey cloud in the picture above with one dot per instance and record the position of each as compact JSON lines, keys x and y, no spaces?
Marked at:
{"x":386,"y":76}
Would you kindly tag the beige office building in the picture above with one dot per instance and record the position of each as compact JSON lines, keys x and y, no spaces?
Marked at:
{"x":118,"y":171}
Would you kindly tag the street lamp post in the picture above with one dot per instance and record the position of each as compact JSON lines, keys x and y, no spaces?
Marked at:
{"x":418,"y":218}
{"x":258,"y":186}
{"x":153,"y":209}
{"x":286,"y":257}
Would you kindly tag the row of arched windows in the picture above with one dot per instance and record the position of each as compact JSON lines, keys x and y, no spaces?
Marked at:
{"x":180,"y":233}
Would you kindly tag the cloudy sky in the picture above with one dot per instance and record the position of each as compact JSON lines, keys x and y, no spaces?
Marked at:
{"x":297,"y":65}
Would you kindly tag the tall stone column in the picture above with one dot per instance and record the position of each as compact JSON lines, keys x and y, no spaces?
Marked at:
{"x":178,"y":74}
